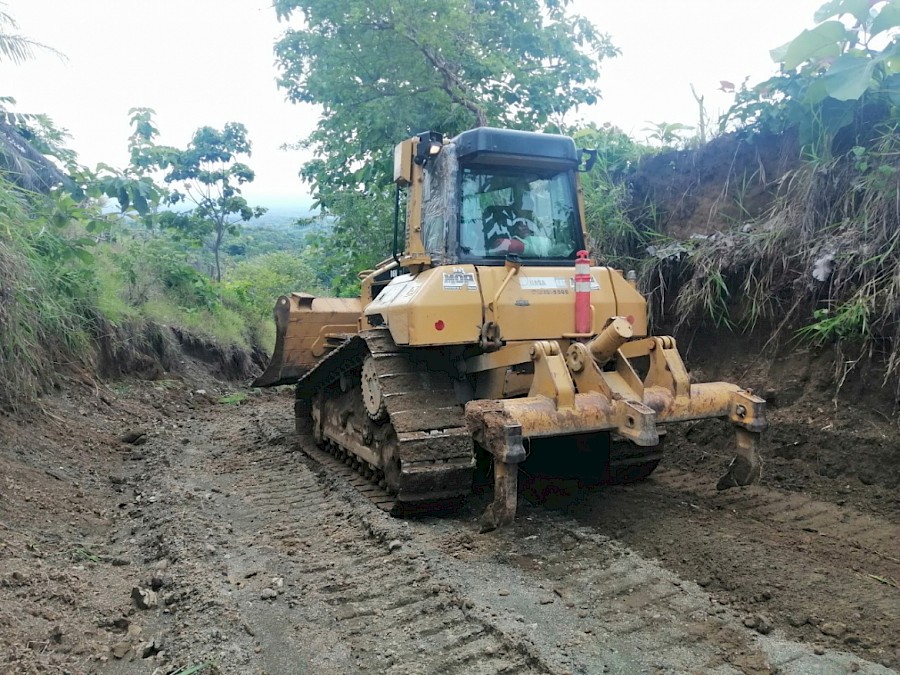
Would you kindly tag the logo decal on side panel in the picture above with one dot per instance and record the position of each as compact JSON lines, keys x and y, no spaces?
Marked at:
{"x":459,"y":279}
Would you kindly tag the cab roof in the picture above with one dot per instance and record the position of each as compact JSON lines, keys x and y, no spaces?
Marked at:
{"x":511,"y":148}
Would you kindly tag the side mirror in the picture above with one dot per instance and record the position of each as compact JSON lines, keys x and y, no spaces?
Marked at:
{"x":587,"y":160}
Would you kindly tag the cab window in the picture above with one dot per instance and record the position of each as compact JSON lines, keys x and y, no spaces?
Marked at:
{"x":523,"y":213}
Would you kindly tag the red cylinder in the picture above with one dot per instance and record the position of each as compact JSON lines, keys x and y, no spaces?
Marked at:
{"x":582,"y":293}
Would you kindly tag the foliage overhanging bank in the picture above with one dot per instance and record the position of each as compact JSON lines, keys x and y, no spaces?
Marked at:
{"x":822,"y":263}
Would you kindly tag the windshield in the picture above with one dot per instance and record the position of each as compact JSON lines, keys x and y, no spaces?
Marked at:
{"x":521,"y":213}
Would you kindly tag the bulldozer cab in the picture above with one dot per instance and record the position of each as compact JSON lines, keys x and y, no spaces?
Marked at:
{"x":489,"y":194}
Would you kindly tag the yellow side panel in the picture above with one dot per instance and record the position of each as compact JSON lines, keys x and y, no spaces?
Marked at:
{"x":439,"y":306}
{"x":539,"y":302}
{"x":448,"y":305}
{"x":630,"y":303}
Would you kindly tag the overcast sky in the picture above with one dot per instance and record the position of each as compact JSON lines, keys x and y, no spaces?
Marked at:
{"x":208,"y":62}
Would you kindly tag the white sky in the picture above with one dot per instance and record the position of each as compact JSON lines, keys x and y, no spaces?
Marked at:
{"x":208,"y":62}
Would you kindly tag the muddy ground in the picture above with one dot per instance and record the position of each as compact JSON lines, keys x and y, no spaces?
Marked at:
{"x":171,"y":527}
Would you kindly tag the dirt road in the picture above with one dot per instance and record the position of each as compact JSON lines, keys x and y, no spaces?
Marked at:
{"x":251,"y":558}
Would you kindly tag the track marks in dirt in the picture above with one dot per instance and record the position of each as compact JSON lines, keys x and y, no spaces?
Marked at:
{"x":600,"y":607}
{"x":303,"y":573}
{"x":385,"y":602}
{"x":813,"y":566}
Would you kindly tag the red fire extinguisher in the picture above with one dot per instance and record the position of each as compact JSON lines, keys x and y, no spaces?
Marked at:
{"x":582,"y":293}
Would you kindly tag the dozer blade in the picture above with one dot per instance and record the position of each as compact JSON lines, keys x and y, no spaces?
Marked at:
{"x":305,"y":328}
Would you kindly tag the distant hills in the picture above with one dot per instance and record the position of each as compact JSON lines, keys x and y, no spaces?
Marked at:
{"x":282,"y":214}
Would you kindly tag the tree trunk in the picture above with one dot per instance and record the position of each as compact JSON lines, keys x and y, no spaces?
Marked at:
{"x":220,"y":231}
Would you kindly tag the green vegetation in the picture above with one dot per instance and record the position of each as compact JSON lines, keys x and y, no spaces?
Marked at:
{"x":206,"y":178}
{"x":667,"y":134}
{"x":822,"y":264}
{"x":615,"y":239}
{"x":74,"y":274}
{"x":170,"y":240}
{"x":15,"y":47}
{"x":383,"y":70}
{"x":236,"y":398}
{"x":46,"y":295}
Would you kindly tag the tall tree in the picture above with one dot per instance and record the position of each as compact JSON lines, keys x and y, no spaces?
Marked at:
{"x":206,"y":177}
{"x":382,"y":70}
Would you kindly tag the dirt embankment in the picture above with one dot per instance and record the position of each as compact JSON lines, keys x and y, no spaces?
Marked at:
{"x":158,"y":526}
{"x":732,"y":179}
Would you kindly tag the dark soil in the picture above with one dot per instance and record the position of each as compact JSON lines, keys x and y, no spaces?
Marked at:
{"x":263,"y":562}
{"x":733,"y":178}
{"x":150,"y":351}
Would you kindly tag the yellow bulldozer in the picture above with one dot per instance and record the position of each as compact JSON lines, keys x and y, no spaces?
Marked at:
{"x":492,"y":331}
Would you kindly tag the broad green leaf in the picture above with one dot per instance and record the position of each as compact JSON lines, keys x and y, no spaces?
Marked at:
{"x":826,"y":11}
{"x":849,"y":77}
{"x":817,"y":91}
{"x":826,"y":39}
{"x":140,"y":204}
{"x":836,"y":115}
{"x":888,"y":17}
{"x":779,"y":53}
{"x":858,"y":8}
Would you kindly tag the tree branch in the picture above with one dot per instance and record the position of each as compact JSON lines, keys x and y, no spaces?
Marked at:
{"x":451,"y":81}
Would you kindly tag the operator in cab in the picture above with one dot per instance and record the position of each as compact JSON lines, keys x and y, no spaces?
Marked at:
{"x":522,"y":240}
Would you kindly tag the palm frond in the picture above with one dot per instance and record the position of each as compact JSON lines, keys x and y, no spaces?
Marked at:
{"x":24,"y":165}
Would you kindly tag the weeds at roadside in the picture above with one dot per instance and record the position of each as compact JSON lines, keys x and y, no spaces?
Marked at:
{"x":45,"y":300}
{"x":168,"y":384}
{"x":80,"y":553}
{"x":822,"y":267}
